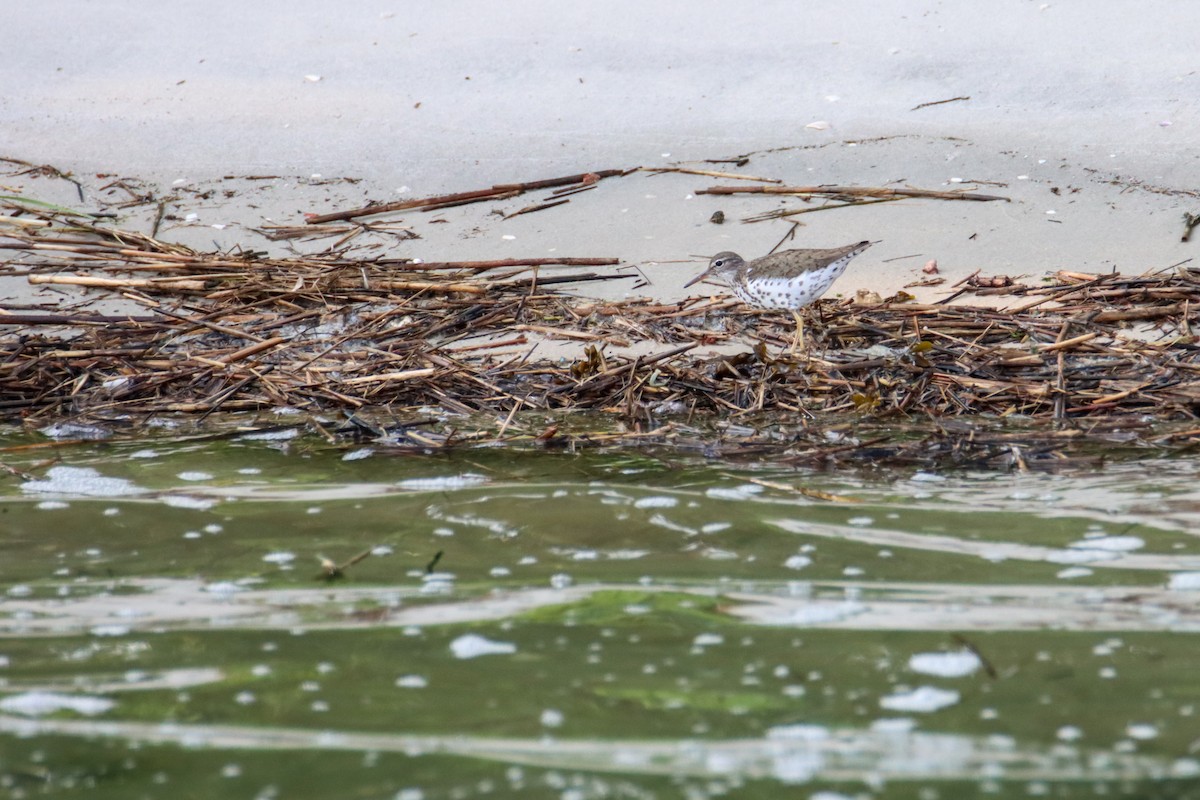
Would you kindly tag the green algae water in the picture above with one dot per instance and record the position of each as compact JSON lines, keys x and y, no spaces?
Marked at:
{"x":270,"y":616}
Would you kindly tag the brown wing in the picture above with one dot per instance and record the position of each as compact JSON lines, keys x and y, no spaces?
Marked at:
{"x":795,"y":262}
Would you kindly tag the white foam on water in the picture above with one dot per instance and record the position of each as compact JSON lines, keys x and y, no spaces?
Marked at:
{"x":824,"y":613}
{"x":1068,"y":733}
{"x":657,"y":501}
{"x":73,"y":430}
{"x":1080,"y":556}
{"x":663,"y":522}
{"x":1141,"y":731}
{"x":472,"y":645}
{"x":40,"y":704}
{"x":894,"y":725}
{"x":922,"y":700}
{"x":110,"y":630}
{"x":717,"y":554}
{"x":272,"y":436}
{"x":412,"y":682}
{"x":1116,"y":544}
{"x":801,"y":732}
{"x":442,"y":484}
{"x":945,"y":665}
{"x":188,"y":502}
{"x":81,"y":481}
{"x":624,"y":555}
{"x":1184,"y":581}
{"x":743,"y":492}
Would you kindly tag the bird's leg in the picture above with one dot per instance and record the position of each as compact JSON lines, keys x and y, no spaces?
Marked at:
{"x":798,"y":339}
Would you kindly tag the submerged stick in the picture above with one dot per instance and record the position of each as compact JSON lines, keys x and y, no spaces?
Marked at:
{"x":331,"y":570}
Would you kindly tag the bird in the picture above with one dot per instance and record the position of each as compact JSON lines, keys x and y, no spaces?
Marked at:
{"x":790,"y":279}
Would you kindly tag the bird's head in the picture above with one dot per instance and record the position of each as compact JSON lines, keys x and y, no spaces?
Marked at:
{"x":723,"y":266}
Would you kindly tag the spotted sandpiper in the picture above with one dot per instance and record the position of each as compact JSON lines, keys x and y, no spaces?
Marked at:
{"x":790,"y":279}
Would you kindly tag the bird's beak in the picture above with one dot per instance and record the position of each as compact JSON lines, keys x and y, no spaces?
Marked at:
{"x":698,"y":278}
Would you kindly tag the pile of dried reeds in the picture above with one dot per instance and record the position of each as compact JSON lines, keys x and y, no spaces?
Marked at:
{"x":221,"y":331}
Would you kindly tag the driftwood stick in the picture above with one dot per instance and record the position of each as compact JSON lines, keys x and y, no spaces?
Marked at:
{"x":505,"y":262}
{"x":569,"y":190}
{"x":780,"y":213}
{"x":1067,"y":344}
{"x":566,"y":334}
{"x":213,"y":326}
{"x":468,"y":200}
{"x":399,"y":205}
{"x":442,"y":201}
{"x":537,"y":207}
{"x":253,"y":349}
{"x":24,"y":223}
{"x":852,"y":191}
{"x":70,"y":319}
{"x":430,"y":286}
{"x":710,"y":173}
{"x":939,"y":102}
{"x":550,"y":183}
{"x":113,"y":283}
{"x":1153,"y":312}
{"x":403,"y":375}
{"x":1190,"y":221}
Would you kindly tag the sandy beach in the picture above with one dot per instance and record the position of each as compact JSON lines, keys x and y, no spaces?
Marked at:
{"x":1079,"y":113}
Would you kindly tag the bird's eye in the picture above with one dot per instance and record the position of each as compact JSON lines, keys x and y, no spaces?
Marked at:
{"x":720,"y":262}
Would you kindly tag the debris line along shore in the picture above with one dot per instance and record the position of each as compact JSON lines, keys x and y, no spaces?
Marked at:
{"x":322,"y":333}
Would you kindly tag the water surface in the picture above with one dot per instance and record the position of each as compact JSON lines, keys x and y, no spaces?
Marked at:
{"x":578,"y":625}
